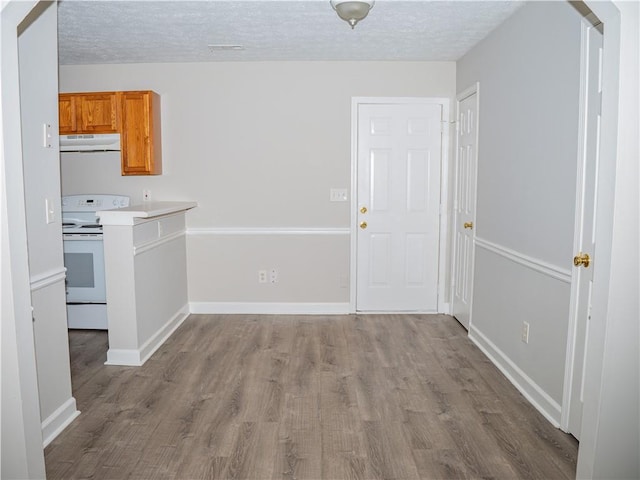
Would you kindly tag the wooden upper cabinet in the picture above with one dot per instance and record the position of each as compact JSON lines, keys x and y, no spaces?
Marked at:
{"x":97,"y":113}
{"x":140,"y":138}
{"x":67,"y":114}
{"x":89,"y":113}
{"x":135,"y":115}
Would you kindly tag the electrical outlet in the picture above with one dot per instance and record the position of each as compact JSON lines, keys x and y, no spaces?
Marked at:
{"x":273,"y":276}
{"x":525,"y":332}
{"x":262,"y":276}
{"x":338,"y":195}
{"x":146,"y":195}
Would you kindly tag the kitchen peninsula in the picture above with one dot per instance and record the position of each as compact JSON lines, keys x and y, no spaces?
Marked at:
{"x":146,"y":277}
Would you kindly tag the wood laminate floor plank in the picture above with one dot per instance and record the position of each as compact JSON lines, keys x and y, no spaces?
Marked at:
{"x":295,"y":397}
{"x":299,"y":439}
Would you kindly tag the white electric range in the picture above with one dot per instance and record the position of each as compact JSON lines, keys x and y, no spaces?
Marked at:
{"x":84,"y":258}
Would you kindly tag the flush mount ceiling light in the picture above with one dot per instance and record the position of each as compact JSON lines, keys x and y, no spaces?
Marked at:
{"x":352,"y":11}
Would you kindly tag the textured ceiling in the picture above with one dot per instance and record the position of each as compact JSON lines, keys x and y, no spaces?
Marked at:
{"x":271,"y":30}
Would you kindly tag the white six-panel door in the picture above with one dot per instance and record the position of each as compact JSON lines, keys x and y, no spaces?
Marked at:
{"x":582,"y":281}
{"x":398,"y":201}
{"x":465,"y":207}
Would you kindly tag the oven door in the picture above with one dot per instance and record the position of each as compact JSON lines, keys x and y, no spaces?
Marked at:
{"x":84,"y":260}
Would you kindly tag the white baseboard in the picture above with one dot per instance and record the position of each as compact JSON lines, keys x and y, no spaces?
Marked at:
{"x":397,"y":312}
{"x":55,"y":423}
{"x":546,"y":405}
{"x":270,"y":308}
{"x":137,"y":357}
{"x":124,"y":357}
{"x":150,"y":346}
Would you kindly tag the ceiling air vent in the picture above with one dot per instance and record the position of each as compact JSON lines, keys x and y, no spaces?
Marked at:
{"x":225,"y":48}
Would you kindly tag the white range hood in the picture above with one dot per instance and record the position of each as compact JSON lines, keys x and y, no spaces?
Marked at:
{"x":99,"y":142}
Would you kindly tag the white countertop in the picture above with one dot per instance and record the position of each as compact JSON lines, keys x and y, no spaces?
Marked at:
{"x":146,"y":210}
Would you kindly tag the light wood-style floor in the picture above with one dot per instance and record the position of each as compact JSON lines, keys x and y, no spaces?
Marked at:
{"x":336,"y":397}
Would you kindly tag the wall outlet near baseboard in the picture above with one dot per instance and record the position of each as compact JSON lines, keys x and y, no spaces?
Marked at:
{"x":273,"y":276}
{"x":524,"y":335}
{"x":338,"y":195}
{"x":262,"y":276}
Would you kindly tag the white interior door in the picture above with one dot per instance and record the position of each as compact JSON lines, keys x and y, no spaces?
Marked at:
{"x":465,"y":206}
{"x":582,"y":280}
{"x":398,"y":198}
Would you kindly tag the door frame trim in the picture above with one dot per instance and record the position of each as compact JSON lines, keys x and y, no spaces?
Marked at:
{"x":443,"y":241}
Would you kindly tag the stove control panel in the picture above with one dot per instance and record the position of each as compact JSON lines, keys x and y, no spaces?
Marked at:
{"x":92,"y":203}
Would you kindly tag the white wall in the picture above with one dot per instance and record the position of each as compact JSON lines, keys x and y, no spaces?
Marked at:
{"x":528,"y":71}
{"x":21,"y":453}
{"x":42,"y":181}
{"x":258,"y":146}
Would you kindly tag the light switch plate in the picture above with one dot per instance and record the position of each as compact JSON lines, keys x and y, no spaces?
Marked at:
{"x":50,"y":212}
{"x":47,"y":135}
{"x":338,"y":195}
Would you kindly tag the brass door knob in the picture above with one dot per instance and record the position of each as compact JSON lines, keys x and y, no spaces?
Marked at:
{"x":363,"y":225}
{"x":363,"y":210}
{"x":582,"y":259}
{"x":468,"y":225}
